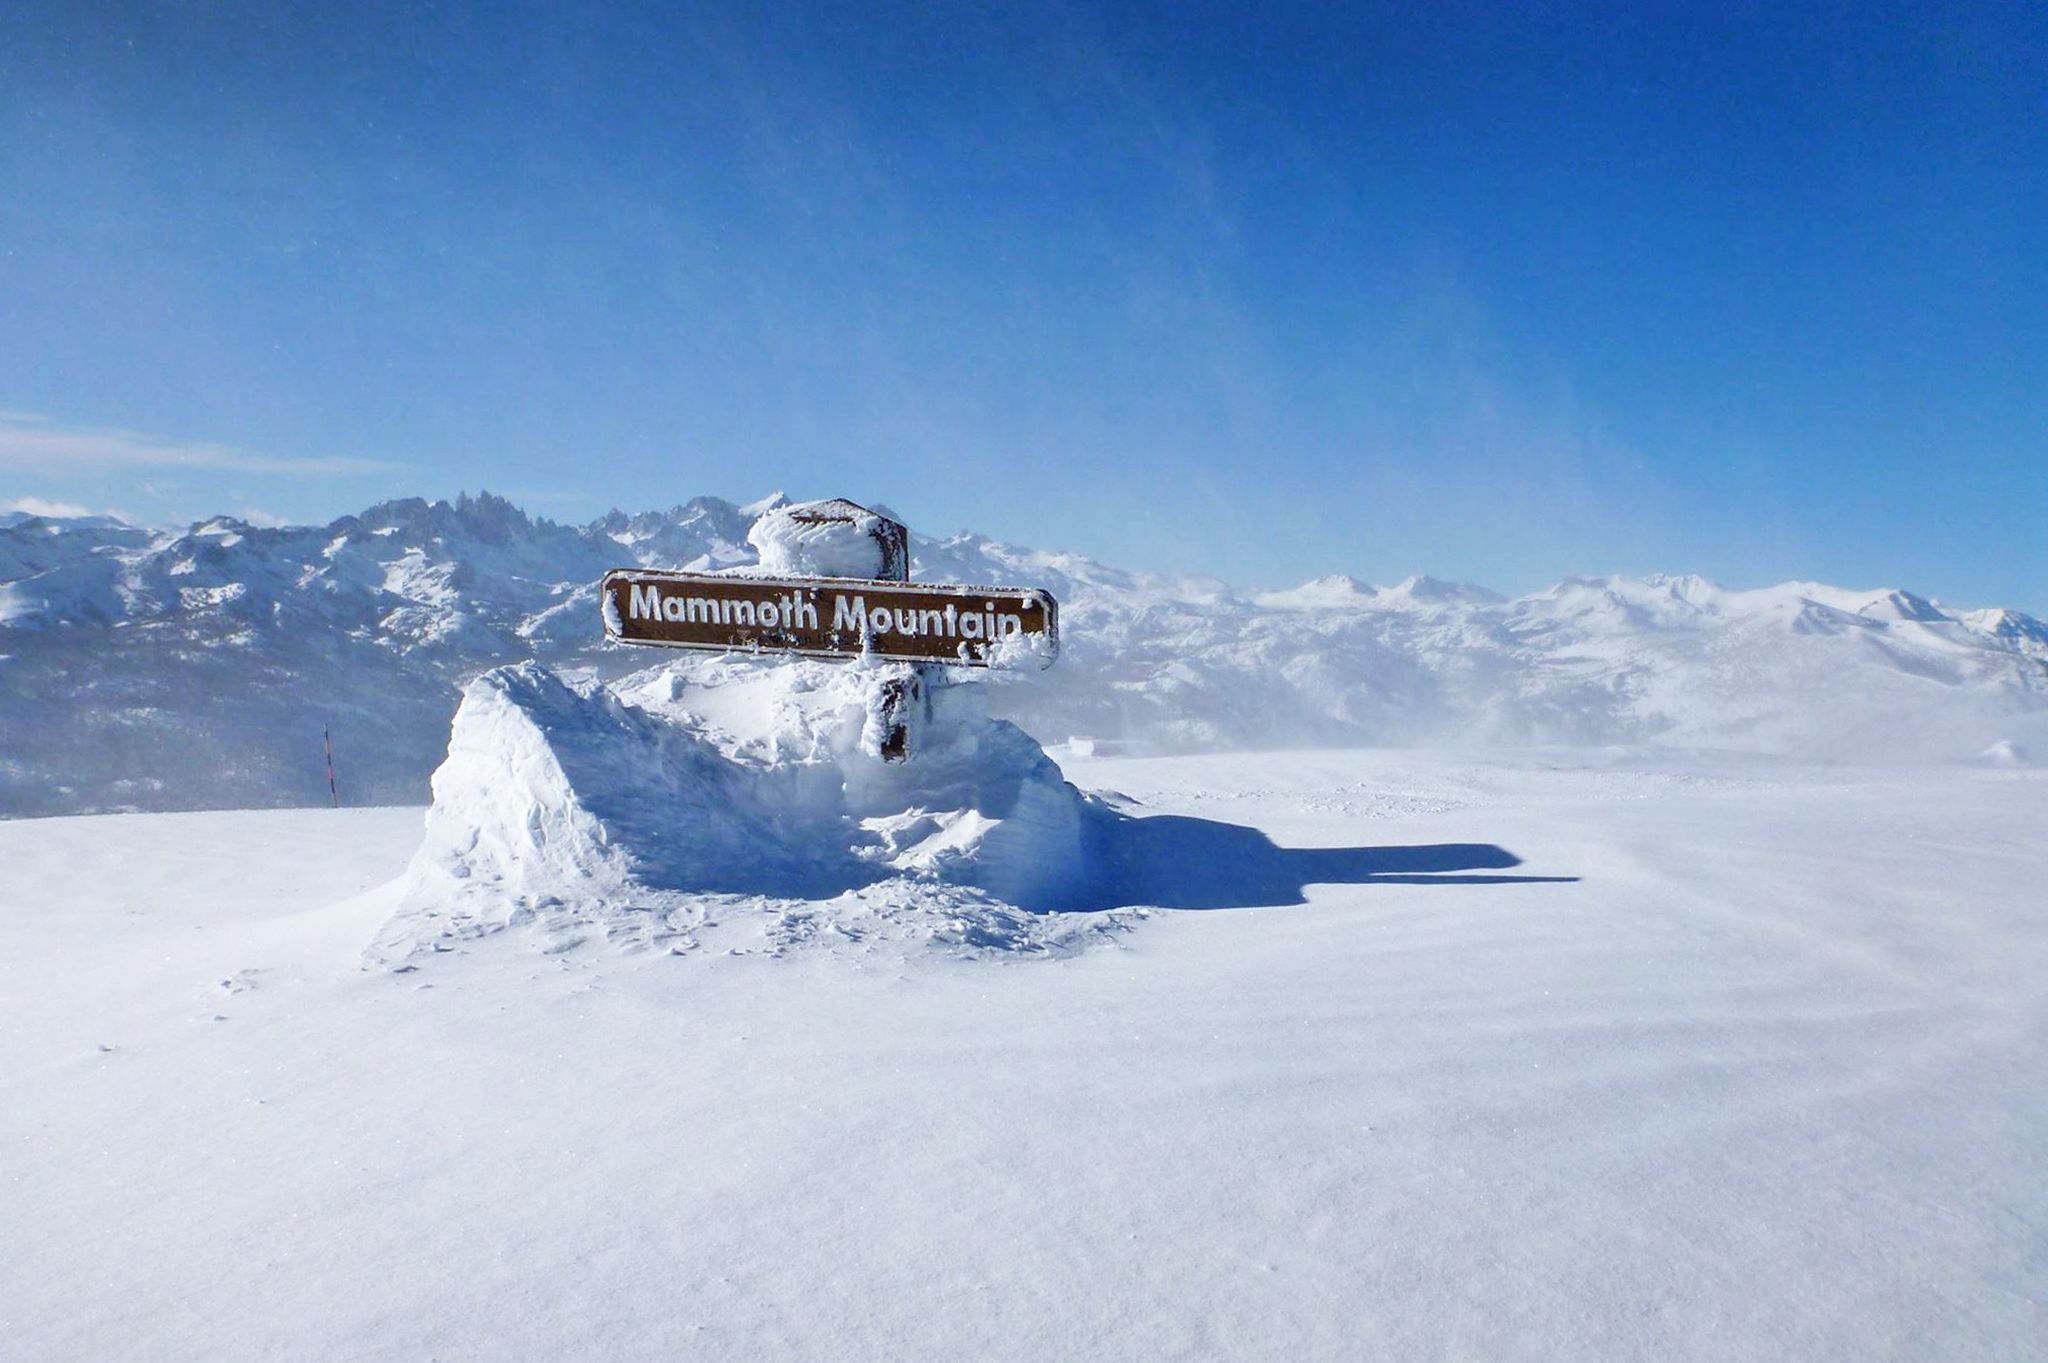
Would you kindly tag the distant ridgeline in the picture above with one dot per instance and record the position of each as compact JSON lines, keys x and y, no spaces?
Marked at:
{"x":196,"y":669}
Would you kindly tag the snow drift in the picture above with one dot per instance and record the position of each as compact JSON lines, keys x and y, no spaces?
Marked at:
{"x":580,"y":808}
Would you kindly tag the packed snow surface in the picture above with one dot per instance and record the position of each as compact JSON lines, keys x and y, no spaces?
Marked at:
{"x":1598,"y":1057}
{"x":198,"y":668}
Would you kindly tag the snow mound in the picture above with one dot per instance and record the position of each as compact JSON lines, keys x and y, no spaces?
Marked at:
{"x":653,"y":812}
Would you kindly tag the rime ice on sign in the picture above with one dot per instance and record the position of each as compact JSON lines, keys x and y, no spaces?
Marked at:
{"x":831,"y":538}
{"x":833,"y":617}
{"x":834,"y":582}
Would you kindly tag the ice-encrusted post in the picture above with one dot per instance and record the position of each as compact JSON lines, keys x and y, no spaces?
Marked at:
{"x":333,"y":788}
{"x":838,"y":538}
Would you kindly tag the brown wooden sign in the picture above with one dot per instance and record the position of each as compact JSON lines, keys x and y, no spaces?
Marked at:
{"x":829,"y":617}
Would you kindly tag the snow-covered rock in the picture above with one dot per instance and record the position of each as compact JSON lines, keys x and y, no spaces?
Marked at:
{"x":2021,"y":633}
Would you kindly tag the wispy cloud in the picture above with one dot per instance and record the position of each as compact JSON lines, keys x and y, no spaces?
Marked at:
{"x":37,"y":506}
{"x":28,"y":443}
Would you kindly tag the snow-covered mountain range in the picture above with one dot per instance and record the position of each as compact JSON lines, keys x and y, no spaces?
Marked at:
{"x":198,"y":668}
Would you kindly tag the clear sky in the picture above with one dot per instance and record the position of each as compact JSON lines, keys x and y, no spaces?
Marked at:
{"x":1497,"y":292}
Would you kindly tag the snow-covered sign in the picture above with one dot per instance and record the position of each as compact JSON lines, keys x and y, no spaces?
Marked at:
{"x":833,"y":617}
{"x":832,"y":583}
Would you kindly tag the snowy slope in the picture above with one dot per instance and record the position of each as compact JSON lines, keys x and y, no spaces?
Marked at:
{"x":1761,"y":1078}
{"x":197,"y":669}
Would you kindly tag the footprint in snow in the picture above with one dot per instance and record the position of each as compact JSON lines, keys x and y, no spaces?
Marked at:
{"x":242,"y":981}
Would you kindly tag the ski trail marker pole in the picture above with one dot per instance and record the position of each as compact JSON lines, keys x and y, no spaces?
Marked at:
{"x":333,"y":790}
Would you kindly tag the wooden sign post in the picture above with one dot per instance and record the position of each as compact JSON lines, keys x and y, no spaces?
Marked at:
{"x":832,"y":617}
{"x":884,"y":617}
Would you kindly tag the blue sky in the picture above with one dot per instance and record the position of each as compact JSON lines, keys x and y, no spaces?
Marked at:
{"x":1494,"y":292}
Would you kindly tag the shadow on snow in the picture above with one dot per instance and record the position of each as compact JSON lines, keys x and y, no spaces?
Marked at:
{"x":1173,"y":861}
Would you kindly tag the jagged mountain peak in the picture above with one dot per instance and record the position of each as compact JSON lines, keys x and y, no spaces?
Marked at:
{"x":485,"y":518}
{"x":2008,"y":623}
{"x":1621,"y":603}
{"x":1335,"y":591}
{"x":708,"y":532}
{"x":1894,"y":604}
{"x":1423,"y":588}
{"x":1341,"y":591}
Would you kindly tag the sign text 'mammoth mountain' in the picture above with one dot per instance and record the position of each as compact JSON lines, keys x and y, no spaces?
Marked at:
{"x":833,"y":617}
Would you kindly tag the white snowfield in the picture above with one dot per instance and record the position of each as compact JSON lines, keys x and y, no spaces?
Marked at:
{"x":1613,"y":1056}
{"x":131,"y":660}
